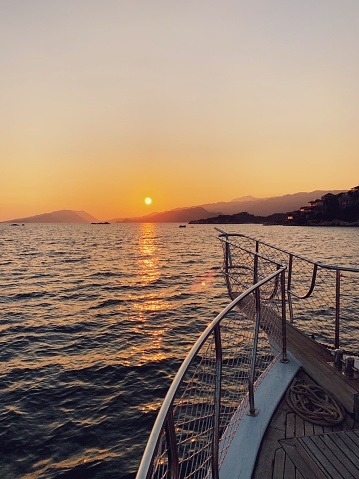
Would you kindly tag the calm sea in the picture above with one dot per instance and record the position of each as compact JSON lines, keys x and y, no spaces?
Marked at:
{"x":95,"y":321}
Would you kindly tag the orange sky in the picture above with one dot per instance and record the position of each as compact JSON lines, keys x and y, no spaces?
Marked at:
{"x":103,"y":103}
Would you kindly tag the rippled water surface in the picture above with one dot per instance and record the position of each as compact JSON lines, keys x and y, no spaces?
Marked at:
{"x":95,"y":321}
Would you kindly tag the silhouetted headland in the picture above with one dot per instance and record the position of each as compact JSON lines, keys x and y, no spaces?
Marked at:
{"x":330,"y":210}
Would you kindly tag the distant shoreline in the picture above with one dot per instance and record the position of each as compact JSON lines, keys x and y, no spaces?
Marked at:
{"x":283,"y":223}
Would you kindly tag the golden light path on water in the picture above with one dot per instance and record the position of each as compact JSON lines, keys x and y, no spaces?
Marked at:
{"x":149,"y":272}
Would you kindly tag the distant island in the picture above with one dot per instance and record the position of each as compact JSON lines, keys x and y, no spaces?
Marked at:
{"x":340,"y":209}
{"x":60,"y":216}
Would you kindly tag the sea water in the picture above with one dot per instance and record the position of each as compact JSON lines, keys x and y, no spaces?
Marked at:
{"x":95,"y":321}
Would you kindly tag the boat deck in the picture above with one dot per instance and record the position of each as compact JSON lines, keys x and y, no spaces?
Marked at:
{"x":294,"y":448}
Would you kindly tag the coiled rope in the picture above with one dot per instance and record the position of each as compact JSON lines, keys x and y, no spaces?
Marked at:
{"x":314,"y":404}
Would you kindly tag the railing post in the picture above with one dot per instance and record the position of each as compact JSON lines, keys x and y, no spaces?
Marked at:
{"x":217,"y":402}
{"x":228,"y":264}
{"x":337,"y":309}
{"x":172,"y":446}
{"x":289,"y":284}
{"x":255,"y":269}
{"x":284,"y":320}
{"x":252,"y":411}
{"x":228,"y":254}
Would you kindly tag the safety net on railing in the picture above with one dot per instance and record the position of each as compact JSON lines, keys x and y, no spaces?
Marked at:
{"x":183,"y":441}
{"x":323,"y":300}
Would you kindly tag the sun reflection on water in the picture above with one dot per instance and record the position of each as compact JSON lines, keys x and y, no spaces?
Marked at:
{"x":148,"y":261}
{"x":150,"y":303}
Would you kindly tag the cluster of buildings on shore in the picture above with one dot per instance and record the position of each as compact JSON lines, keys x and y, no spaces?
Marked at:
{"x":330,"y":208}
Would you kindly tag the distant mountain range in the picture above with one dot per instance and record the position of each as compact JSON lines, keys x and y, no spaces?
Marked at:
{"x":248,"y":204}
{"x":341,"y":209}
{"x":61,"y":216}
{"x":179,"y":215}
{"x":267,"y":206}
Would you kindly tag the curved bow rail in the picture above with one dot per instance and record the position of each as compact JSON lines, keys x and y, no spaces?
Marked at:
{"x":322,"y":299}
{"x":217,"y":382}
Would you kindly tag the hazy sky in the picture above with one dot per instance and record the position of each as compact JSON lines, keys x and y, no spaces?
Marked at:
{"x":105,"y":102}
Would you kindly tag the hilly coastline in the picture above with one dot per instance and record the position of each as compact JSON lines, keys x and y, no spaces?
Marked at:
{"x":267,"y":206}
{"x":340,"y":209}
{"x":254,"y":206}
{"x":260,"y":209}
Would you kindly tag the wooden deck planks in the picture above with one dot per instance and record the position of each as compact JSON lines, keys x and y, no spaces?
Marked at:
{"x":289,"y":468}
{"x":301,"y":462}
{"x":293,"y":448}
{"x":331,"y":454}
{"x":315,"y":360}
{"x":279,"y":462}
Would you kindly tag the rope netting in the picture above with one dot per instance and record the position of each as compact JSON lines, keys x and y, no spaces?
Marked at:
{"x":192,"y":410}
{"x":318,"y":293}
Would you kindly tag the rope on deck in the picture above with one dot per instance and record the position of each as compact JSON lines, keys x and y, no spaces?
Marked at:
{"x":314,"y":404}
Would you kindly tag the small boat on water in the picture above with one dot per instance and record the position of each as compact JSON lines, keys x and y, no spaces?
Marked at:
{"x":270,"y":389}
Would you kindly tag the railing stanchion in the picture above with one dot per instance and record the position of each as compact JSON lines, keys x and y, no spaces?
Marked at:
{"x":217,"y":403}
{"x":289,"y":285}
{"x":284,"y":320}
{"x":227,"y":265}
{"x":172,"y":446}
{"x":255,"y":269}
{"x":252,"y":411}
{"x":337,"y":309}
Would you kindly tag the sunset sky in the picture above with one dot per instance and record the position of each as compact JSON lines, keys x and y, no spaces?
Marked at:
{"x":106,"y":102}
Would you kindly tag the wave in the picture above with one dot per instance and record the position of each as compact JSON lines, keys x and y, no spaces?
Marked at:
{"x":91,"y":339}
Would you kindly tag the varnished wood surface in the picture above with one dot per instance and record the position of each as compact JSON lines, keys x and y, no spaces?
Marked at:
{"x":293,"y":448}
{"x":317,"y":362}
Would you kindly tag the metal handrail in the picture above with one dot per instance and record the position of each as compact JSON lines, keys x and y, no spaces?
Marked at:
{"x":229,"y":263}
{"x":318,"y":263}
{"x":185,"y":418}
{"x":289,"y":288}
{"x":164,"y":421}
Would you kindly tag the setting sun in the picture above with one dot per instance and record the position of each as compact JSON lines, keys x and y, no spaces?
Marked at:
{"x":148,"y":200}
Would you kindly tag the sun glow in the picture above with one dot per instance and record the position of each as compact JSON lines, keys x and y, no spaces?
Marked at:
{"x":148,"y":200}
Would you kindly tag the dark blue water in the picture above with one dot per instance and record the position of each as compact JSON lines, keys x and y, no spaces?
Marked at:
{"x":95,"y":321}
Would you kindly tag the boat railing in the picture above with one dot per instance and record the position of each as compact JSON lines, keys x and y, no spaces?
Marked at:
{"x":218,"y":379}
{"x":321,"y":299}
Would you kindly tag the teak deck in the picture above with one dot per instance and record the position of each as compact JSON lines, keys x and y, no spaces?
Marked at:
{"x":317,"y":361}
{"x":293,"y":448}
